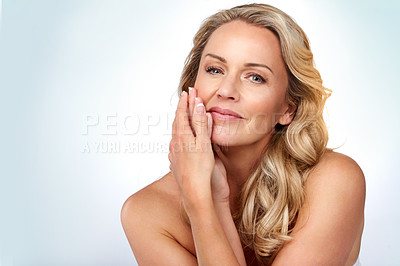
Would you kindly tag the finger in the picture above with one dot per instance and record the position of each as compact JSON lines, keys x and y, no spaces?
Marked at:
{"x":182,"y":126}
{"x":200,"y":120}
{"x":191,"y":102}
{"x":192,"y":96}
{"x":209,"y":124}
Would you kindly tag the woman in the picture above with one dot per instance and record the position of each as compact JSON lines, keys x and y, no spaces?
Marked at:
{"x":251,"y":179}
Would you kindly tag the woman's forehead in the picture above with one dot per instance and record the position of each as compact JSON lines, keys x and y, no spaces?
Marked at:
{"x":238,"y":41}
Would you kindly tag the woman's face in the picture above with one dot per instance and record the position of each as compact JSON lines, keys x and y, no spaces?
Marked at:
{"x":242,"y":70}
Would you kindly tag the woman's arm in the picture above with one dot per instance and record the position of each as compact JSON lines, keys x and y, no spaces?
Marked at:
{"x":211,"y":242}
{"x":221,"y":191}
{"x":192,"y":164}
{"x":220,"y":194}
{"x":225,"y":217}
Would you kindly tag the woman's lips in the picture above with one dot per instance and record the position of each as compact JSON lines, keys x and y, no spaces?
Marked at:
{"x":224,"y":114}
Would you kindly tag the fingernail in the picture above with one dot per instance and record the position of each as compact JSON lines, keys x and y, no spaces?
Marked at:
{"x":190,"y":90}
{"x":200,"y":109}
{"x":183,"y":93}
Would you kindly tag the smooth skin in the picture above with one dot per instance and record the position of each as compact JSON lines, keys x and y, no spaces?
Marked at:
{"x":207,"y":183}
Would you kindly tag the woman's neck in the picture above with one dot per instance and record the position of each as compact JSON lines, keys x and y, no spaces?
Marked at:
{"x":239,"y":162}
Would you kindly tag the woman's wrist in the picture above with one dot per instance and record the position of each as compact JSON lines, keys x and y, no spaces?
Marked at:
{"x":222,"y":207}
{"x":197,"y":203}
{"x":200,"y":211}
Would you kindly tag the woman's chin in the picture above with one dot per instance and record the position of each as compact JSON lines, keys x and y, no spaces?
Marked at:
{"x":224,"y":140}
{"x":225,"y":135}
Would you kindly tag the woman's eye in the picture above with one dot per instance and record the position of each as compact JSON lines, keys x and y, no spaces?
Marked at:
{"x":257,"y":78}
{"x":214,"y":70}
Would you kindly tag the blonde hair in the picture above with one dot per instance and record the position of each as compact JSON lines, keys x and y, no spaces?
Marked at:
{"x":274,"y":193}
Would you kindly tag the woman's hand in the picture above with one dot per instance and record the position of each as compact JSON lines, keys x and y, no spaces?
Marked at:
{"x":191,"y":155}
{"x":219,"y":183}
{"x":219,"y":180}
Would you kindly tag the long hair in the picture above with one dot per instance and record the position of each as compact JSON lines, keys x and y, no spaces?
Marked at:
{"x":272,"y":196}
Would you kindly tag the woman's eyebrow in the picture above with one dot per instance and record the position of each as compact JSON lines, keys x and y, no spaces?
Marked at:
{"x":258,"y":65}
{"x":223,"y":60}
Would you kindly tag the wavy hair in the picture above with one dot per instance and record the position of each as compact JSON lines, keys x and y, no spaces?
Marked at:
{"x":272,"y":196}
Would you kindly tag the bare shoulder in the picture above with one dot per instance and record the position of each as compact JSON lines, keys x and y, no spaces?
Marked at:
{"x":151,"y":219}
{"x":149,"y":205}
{"x":336,"y":171}
{"x":338,"y":161}
{"x":162,"y":189}
{"x":330,"y":222}
{"x":335,"y":187}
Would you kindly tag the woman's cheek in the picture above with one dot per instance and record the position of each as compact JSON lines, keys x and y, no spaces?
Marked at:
{"x":204,"y":90}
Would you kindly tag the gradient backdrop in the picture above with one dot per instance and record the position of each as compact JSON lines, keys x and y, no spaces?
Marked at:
{"x":88,"y":99}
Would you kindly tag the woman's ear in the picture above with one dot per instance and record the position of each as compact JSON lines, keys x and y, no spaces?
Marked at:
{"x":288,"y":115}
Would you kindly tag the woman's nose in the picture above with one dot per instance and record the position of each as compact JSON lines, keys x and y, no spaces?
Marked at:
{"x":228,"y":89}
